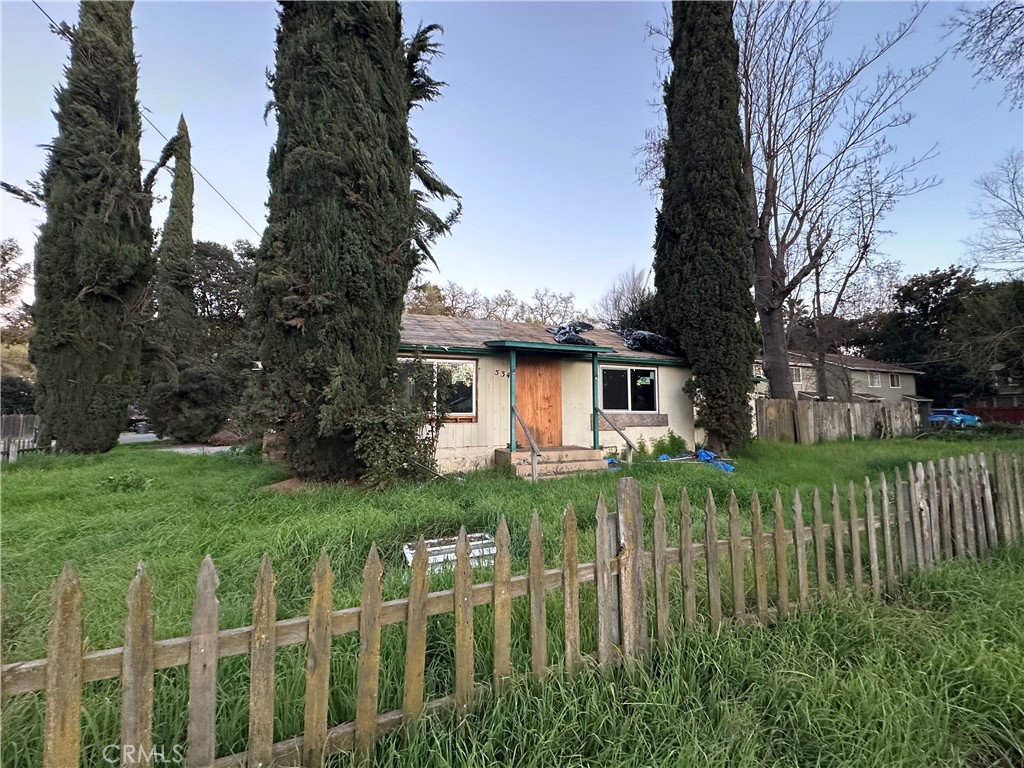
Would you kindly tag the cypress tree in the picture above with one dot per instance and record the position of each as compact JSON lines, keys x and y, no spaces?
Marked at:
{"x":175,"y":326}
{"x":93,"y":257}
{"x":336,"y":256}
{"x":702,"y":268}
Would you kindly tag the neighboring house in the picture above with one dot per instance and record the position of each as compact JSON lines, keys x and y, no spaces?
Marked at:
{"x":557,"y":388}
{"x":851,"y":379}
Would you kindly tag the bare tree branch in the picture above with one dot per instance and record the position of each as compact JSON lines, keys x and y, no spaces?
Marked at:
{"x":991,"y":36}
{"x":999,"y":246}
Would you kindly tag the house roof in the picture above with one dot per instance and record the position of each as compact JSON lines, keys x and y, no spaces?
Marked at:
{"x":851,"y":362}
{"x":436,"y":333}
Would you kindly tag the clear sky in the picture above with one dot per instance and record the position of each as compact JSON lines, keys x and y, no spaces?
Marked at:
{"x":545,"y":105}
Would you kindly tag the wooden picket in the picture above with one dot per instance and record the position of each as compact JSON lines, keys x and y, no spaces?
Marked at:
{"x":959,"y":508}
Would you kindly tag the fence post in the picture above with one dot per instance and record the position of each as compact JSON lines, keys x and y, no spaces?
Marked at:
{"x":714,"y":575}
{"x":757,"y":548}
{"x":62,"y":724}
{"x":990,"y":512}
{"x":837,"y":542}
{"x":368,"y":674}
{"x":800,"y":547}
{"x":318,"y":665}
{"x":781,"y":559}
{"x":570,"y":590}
{"x":818,"y":533}
{"x":261,"y":668}
{"x":538,"y":605}
{"x":463,"y":623}
{"x":202,"y":669}
{"x":856,"y":561}
{"x":1019,"y":482}
{"x":632,"y":579}
{"x":979,"y":508}
{"x":917,"y":518}
{"x":661,"y":570}
{"x":905,"y":528}
{"x":686,"y":560}
{"x":606,"y":548}
{"x":872,"y":537}
{"x":137,"y":672}
{"x":502,"y":610}
{"x":736,"y":558}
{"x":887,"y":542}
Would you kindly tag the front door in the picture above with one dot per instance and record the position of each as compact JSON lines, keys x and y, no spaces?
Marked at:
{"x":539,"y":400}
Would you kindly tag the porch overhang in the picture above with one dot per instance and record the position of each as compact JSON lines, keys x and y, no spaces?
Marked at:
{"x":540,"y":346}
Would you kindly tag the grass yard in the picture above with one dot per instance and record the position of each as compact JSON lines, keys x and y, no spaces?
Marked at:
{"x":105,"y":513}
{"x":935,"y":680}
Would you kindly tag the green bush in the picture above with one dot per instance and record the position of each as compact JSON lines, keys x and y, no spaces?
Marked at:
{"x":17,"y":395}
{"x":671,"y":444}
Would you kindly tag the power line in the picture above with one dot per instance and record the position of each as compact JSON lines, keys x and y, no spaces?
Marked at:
{"x":61,"y":29}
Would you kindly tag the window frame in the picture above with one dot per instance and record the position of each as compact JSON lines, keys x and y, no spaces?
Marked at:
{"x":796,"y":374}
{"x":629,"y":390}
{"x":875,"y":379}
{"x":454,"y":418}
{"x":895,"y":377}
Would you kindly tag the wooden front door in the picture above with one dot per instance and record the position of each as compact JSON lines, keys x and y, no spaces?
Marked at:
{"x":539,"y":400}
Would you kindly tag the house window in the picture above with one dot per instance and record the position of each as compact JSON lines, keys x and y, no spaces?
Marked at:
{"x":455,"y":380}
{"x":894,"y":380}
{"x":874,"y":379}
{"x":796,"y":373}
{"x":629,"y":389}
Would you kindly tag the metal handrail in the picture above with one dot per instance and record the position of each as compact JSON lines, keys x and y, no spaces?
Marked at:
{"x":630,"y":445}
{"x":534,"y":450}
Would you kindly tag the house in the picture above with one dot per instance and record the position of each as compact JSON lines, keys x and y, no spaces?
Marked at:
{"x":851,"y":379}
{"x":571,"y":397}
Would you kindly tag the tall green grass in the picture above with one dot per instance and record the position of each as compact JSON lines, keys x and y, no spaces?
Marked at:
{"x":104,"y":513}
{"x":933,"y":680}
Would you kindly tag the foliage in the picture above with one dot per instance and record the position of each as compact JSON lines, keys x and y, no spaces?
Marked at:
{"x":174,"y":328}
{"x":192,"y":400}
{"x":13,"y":276}
{"x":16,"y":395}
{"x":629,"y":303}
{"x":93,"y":258}
{"x":127,"y":482}
{"x":999,"y":246}
{"x":927,"y":308}
{"x":671,"y":444}
{"x":985,"y":431}
{"x":991,"y":35}
{"x":702,"y":267}
{"x":337,"y":254}
{"x":987,"y":338}
{"x":545,"y":307}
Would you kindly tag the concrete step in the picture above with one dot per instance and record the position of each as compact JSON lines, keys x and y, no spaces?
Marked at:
{"x":560,"y":468}
{"x":551,"y":455}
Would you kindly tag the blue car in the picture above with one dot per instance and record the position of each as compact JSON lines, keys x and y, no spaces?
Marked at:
{"x":952,"y":417}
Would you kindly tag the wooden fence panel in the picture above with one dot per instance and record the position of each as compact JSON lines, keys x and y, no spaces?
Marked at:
{"x":934,"y":514}
{"x":917,"y":505}
{"x":464,"y":617}
{"x":137,"y":673}
{"x":987,"y":502}
{"x":872,"y":537}
{"x":538,"y":608}
{"x":887,"y":540}
{"x":956,"y":511}
{"x":606,"y":547}
{"x":837,"y":542}
{"x":502,"y":606}
{"x":779,"y":535}
{"x":1018,"y":478}
{"x":757,"y":545}
{"x":368,"y":674}
{"x":686,"y":574}
{"x":967,"y":498}
{"x":818,"y":534}
{"x":711,"y":559}
{"x":660,"y":556}
{"x":736,"y":558}
{"x":261,"y":667}
{"x":945,"y":512}
{"x":318,"y":665}
{"x":62,"y":723}
{"x":632,"y":578}
{"x":980,"y":530}
{"x":1003,"y":502}
{"x":571,"y":590}
{"x":202,"y":669}
{"x":903,"y":525}
{"x":856,"y":561}
{"x":800,"y":545}
{"x":416,"y":622}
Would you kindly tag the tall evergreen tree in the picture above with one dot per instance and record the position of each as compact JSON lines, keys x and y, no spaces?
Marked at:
{"x":702,"y":269}
{"x":337,"y":254}
{"x":94,"y":254}
{"x":175,"y":325}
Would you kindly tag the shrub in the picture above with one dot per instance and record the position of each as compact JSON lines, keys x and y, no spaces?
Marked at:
{"x":17,"y":395}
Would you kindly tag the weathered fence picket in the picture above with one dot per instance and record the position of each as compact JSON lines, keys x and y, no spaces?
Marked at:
{"x":961,"y":508}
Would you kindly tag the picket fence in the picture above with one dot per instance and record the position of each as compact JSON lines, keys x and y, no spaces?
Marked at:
{"x":958,"y":509}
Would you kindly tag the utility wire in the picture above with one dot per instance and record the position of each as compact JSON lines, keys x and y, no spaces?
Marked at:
{"x":60,"y":29}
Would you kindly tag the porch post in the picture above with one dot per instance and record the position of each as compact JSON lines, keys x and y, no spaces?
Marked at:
{"x":512,"y":400}
{"x":594,"y":369}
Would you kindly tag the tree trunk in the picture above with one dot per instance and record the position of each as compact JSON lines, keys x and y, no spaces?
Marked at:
{"x":775,"y":357}
{"x":821,"y":375}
